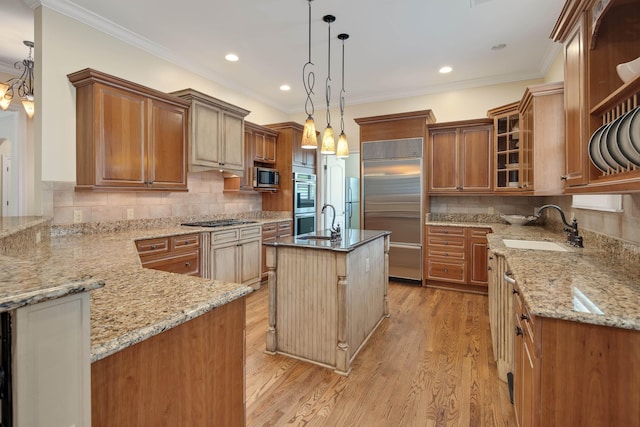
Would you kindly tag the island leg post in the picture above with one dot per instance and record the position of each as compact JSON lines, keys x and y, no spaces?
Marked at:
{"x":343,"y":358}
{"x":271,"y":341}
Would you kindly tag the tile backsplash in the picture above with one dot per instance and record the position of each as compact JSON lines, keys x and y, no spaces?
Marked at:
{"x":205,"y":197}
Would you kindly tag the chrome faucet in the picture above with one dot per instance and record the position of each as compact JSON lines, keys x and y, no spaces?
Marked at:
{"x":335,"y":231}
{"x":571,"y":229}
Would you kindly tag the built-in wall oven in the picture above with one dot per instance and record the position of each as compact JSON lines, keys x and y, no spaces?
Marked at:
{"x":304,"y":203}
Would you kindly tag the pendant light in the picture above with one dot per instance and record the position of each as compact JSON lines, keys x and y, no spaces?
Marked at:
{"x":328,"y":138}
{"x":309,"y":138}
{"x":21,"y":86}
{"x":342,"y":150}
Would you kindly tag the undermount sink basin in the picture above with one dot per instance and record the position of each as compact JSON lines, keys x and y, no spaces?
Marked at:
{"x":308,"y":237}
{"x":539,"y":245}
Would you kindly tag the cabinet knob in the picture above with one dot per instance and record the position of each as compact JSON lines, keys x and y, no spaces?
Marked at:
{"x":154,"y":247}
{"x":519,"y":331}
{"x":446,"y":270}
{"x":187,"y":264}
{"x":489,"y":268}
{"x":458,"y":188}
{"x":446,"y":254}
{"x":515,"y":292}
{"x":524,"y":317}
{"x":564,"y":177}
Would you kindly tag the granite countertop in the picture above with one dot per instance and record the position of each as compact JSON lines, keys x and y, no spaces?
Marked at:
{"x":590,"y":285}
{"x":351,"y":239}
{"x":128,"y":303}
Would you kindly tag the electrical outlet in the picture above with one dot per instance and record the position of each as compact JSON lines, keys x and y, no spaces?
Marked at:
{"x":490,"y":210}
{"x":77,"y":215}
{"x":366,"y":265}
{"x":130,"y":213}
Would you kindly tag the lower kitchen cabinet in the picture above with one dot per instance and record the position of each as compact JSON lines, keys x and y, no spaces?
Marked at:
{"x":236,"y":255}
{"x":568,"y":373}
{"x":270,"y":232}
{"x":457,"y":256}
{"x":175,"y":254}
{"x":189,"y":375}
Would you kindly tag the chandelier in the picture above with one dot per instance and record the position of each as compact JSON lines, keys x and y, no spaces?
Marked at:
{"x":21,"y":86}
{"x":328,"y":138}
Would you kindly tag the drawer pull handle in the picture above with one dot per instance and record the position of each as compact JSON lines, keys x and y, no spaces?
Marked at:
{"x":524,"y":317}
{"x":519,"y":331}
{"x":489,"y":268}
{"x":153,"y":247}
{"x":187,"y":264}
{"x":446,"y":254}
{"x":446,"y":270}
{"x":515,"y":292}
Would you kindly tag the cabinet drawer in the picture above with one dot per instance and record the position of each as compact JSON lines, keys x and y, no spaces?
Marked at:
{"x":449,"y":253}
{"x":250,"y":232}
{"x":153,"y":246}
{"x":269,"y":229}
{"x":285,"y":229}
{"x":478,"y":233}
{"x":446,"y":242}
{"x":225,"y":236}
{"x":181,"y":263}
{"x":454,"y":271}
{"x":442,"y":230}
{"x":186,"y":241}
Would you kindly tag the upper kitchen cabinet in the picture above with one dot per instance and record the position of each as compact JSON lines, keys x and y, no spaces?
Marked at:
{"x":216,"y":133}
{"x":290,"y":157}
{"x":264,"y":142}
{"x":542,"y":138}
{"x":128,"y":137}
{"x":509,"y":166}
{"x":597,"y":36}
{"x":395,"y":126}
{"x":461,"y":157}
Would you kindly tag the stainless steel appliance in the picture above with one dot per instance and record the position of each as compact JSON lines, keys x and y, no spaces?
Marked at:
{"x":304,"y":203}
{"x":392,"y":198}
{"x":265,"y":177}
{"x":352,"y":202}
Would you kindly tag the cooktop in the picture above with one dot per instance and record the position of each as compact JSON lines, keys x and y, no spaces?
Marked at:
{"x":219,"y":223}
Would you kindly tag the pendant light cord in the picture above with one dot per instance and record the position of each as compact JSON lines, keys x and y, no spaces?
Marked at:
{"x":308,"y":77}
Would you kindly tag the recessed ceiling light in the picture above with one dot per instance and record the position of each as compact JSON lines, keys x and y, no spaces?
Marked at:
{"x":445,"y":70}
{"x":498,"y":46}
{"x":285,"y":88}
{"x":231,"y":57}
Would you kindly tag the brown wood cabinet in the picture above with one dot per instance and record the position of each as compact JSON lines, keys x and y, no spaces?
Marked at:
{"x":574,"y":374}
{"x":290,"y":157}
{"x":461,"y":157}
{"x":216,"y":133}
{"x":189,"y":375}
{"x":128,"y":137}
{"x":457,"y":256}
{"x":509,"y":149}
{"x":236,"y":255}
{"x":270,"y":232}
{"x":176,"y":254}
{"x":596,"y":39}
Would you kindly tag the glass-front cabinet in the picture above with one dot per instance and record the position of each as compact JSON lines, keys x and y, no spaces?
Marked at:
{"x":509,"y":151}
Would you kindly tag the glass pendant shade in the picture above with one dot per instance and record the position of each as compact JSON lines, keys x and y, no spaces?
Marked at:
{"x":309,"y":137}
{"x":342,"y":150}
{"x":3,"y":89}
{"x":29,"y":106}
{"x":328,"y":141}
{"x":4,"y":103}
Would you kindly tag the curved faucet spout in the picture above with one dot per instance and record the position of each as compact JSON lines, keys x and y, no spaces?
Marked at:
{"x":333,"y":218}
{"x":559,"y":209}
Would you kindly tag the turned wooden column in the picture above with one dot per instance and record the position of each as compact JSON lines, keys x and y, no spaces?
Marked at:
{"x":343,"y":357}
{"x":387,"y":244}
{"x":271,"y":342}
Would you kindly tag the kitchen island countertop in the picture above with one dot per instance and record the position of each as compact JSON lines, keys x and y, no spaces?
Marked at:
{"x":350,"y":240}
{"x":593,"y":284}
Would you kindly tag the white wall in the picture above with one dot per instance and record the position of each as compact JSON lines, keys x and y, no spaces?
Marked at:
{"x":66,"y":46}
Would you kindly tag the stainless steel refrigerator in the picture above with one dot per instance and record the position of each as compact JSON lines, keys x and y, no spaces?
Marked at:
{"x":392,"y":199}
{"x":352,"y":202}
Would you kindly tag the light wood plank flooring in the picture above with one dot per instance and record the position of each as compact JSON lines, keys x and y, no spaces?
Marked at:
{"x":429,"y":364}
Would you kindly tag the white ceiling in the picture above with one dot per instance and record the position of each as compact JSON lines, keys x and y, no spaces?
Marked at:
{"x":394,"y":51}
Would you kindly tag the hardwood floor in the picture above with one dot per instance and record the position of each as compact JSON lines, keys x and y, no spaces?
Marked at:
{"x":429,"y":364}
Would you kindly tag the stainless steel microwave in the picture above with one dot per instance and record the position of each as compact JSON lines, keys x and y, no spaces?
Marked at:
{"x":265,"y":178}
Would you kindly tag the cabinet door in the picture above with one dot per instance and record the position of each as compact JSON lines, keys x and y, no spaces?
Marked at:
{"x":166,"y":159}
{"x":250,"y":262}
{"x":476,"y":147}
{"x":232,"y":149}
{"x":246,"y":180}
{"x":224,"y":262}
{"x":478,"y":273}
{"x":120,"y":137}
{"x":575,"y":103}
{"x":259,"y":147}
{"x":444,"y":161}
{"x":270,"y":149}
{"x":205,"y":134}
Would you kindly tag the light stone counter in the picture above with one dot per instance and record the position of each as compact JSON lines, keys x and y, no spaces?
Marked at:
{"x":128,"y":303}
{"x":605,"y":275}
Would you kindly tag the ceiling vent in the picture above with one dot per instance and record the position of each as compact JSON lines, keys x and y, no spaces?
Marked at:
{"x":473,"y":3}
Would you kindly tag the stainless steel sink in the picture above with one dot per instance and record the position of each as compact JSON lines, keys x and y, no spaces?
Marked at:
{"x":541,"y":245}
{"x":313,"y":237}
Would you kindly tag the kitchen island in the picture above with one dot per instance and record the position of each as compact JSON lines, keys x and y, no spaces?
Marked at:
{"x":326,"y":297}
